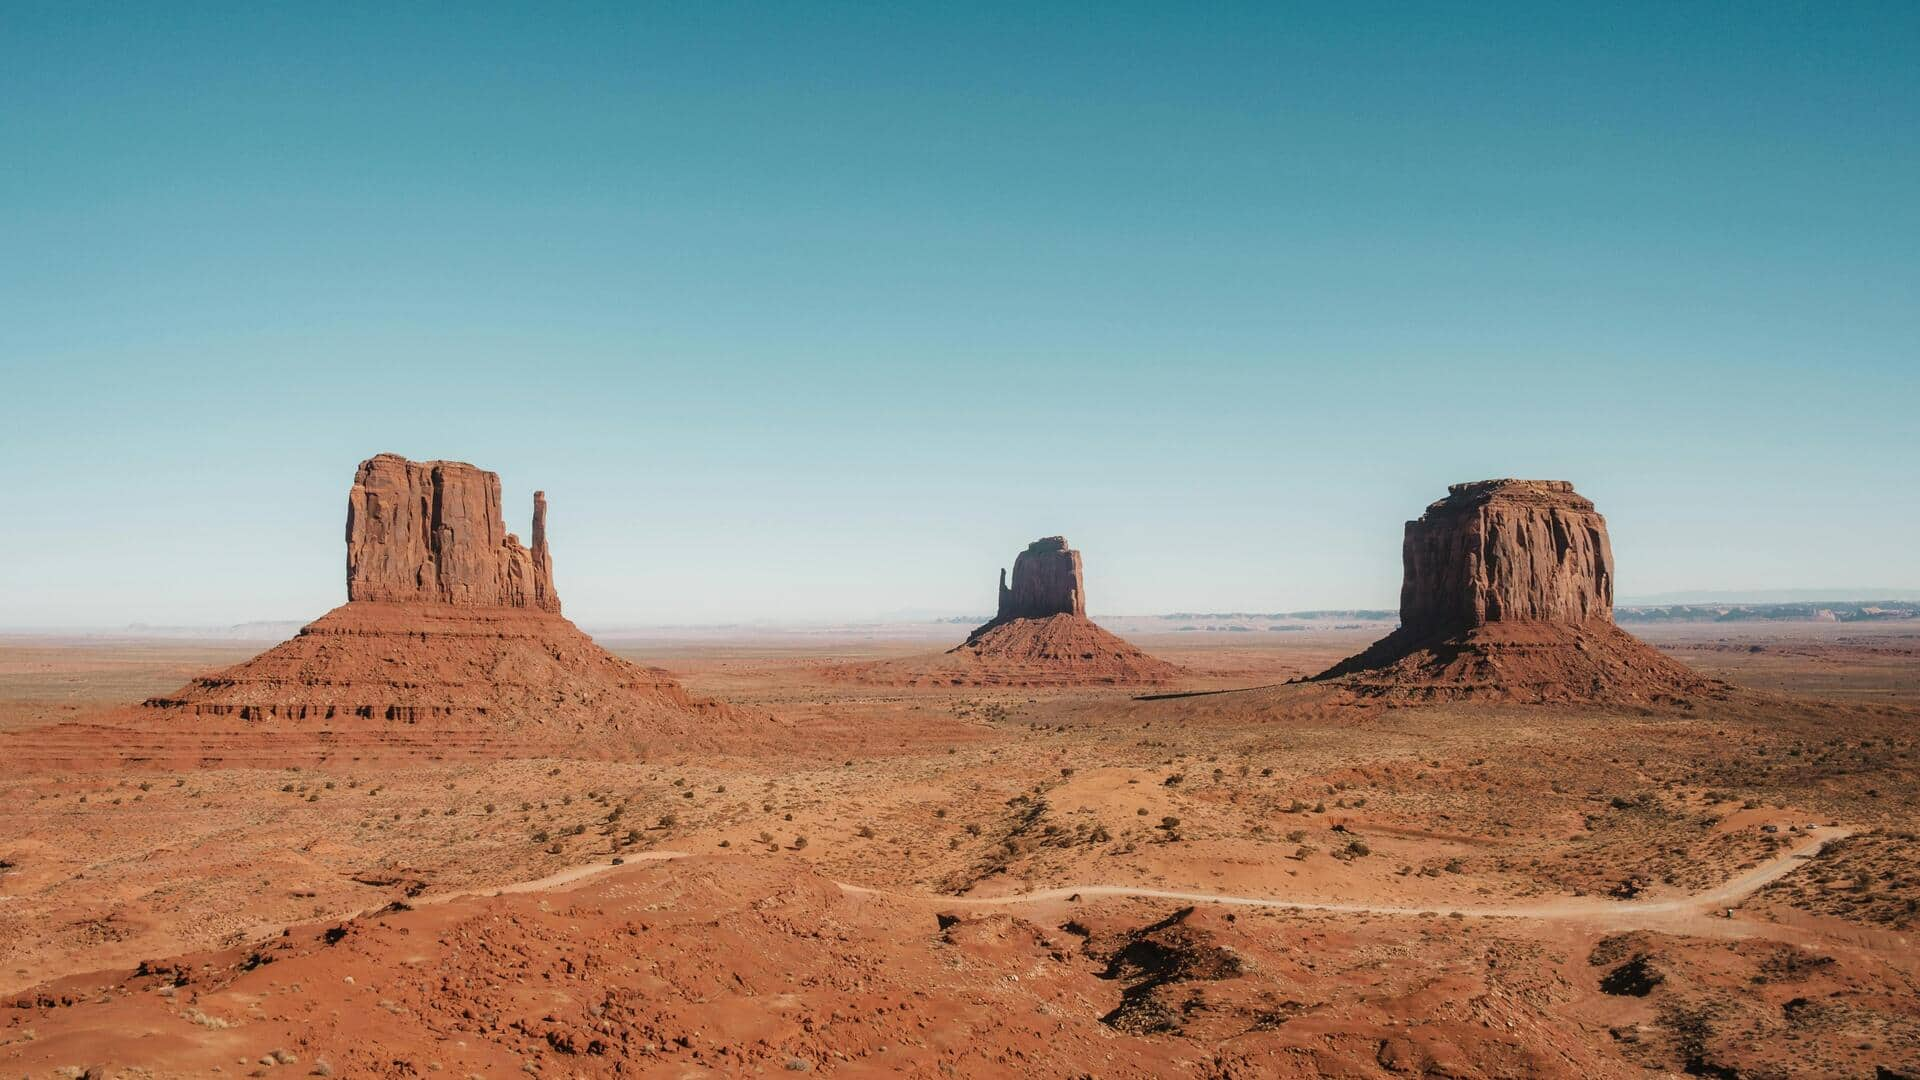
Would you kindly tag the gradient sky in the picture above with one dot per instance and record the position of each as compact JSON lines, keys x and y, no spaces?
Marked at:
{"x":823,"y":311}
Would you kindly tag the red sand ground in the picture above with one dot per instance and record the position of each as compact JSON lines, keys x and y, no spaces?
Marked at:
{"x":1591,"y":851}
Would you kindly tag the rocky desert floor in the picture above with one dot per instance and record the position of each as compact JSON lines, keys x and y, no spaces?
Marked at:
{"x":1226,"y":876}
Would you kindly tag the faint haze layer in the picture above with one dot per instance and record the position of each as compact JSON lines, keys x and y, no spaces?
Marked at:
{"x":809,"y":312}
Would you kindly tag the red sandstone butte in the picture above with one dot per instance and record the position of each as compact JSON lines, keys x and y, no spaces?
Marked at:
{"x":432,"y":531}
{"x":1041,"y":635}
{"x":1508,"y":592}
{"x":451,"y":642}
{"x":1047,"y":580}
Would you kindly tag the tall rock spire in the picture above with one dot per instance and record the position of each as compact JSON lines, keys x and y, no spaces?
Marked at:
{"x":544,"y":597}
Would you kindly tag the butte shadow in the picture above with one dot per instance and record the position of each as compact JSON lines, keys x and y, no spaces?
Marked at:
{"x":1507,"y":595}
{"x":451,"y":643}
{"x":1040,"y":636}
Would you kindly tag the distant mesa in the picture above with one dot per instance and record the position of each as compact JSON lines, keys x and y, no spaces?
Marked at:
{"x":451,"y":642}
{"x":1041,"y":636}
{"x":1507,"y":593}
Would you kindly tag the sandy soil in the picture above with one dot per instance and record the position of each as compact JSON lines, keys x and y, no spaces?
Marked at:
{"x":1229,"y":876}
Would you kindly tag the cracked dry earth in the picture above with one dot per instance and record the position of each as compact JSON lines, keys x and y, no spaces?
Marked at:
{"x":1542,"y":874}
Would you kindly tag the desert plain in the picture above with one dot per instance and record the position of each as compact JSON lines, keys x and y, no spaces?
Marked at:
{"x":1231,"y":875}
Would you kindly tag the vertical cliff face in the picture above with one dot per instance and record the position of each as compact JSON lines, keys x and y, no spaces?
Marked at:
{"x":1506,"y":551}
{"x":1046,"y":581}
{"x":432,"y":531}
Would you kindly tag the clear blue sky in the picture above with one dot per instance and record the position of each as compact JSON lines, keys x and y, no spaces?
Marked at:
{"x":810,"y":310}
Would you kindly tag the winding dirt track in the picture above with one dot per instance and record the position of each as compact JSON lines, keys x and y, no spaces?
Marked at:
{"x":1576,"y":908}
{"x":1693,"y":910}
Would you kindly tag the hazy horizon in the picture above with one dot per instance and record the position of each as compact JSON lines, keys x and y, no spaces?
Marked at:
{"x":808,"y":316}
{"x":907,"y":617}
